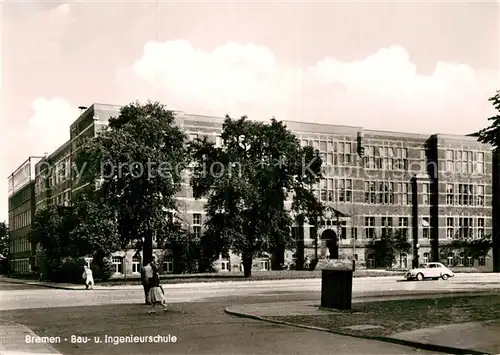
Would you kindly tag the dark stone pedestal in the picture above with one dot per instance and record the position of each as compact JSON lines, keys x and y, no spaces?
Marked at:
{"x":336,"y":288}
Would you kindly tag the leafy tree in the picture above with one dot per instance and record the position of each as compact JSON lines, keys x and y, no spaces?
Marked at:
{"x":138,"y":160}
{"x":247,"y":181}
{"x":52,"y":228}
{"x":384,"y":249}
{"x":491,"y":134}
{"x":476,"y":248}
{"x":401,"y":244}
{"x":4,"y":239}
{"x":95,"y":232}
{"x":68,"y":233}
{"x":4,"y":247}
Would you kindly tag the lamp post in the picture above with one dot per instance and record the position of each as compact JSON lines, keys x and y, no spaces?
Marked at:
{"x":417,"y":246}
{"x":329,"y":214}
{"x":359,"y":164}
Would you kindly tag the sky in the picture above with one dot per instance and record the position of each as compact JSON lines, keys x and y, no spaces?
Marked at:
{"x":423,"y":67}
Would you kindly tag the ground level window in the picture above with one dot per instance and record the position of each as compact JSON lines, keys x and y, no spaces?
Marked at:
{"x":136,"y":265}
{"x":482,"y":261}
{"x":168,"y":266}
{"x":118,"y":264}
{"x":264,"y":265}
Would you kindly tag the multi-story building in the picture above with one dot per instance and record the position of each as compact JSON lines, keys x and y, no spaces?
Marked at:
{"x":432,"y":188}
{"x":21,"y":212}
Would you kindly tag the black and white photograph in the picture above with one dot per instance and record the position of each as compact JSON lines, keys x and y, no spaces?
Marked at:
{"x":250,"y":177}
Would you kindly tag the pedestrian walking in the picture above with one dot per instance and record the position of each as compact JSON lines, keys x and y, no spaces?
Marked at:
{"x":88,"y":277}
{"x":156,"y":292}
{"x":147,"y":278}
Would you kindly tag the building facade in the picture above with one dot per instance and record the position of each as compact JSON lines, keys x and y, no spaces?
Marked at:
{"x":432,"y":188}
{"x":21,"y":210}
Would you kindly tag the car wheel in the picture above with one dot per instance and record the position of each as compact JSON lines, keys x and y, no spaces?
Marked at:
{"x":444,"y":277}
{"x":420,"y":276}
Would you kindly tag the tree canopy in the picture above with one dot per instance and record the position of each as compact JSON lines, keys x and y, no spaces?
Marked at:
{"x":138,"y":160}
{"x":82,"y":229}
{"x":491,"y":134}
{"x":247,"y":180}
{"x":4,"y":240}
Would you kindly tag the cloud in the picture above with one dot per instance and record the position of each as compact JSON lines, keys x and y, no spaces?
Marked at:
{"x":384,"y":90}
{"x":49,"y":125}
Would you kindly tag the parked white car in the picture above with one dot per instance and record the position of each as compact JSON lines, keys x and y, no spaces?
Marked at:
{"x":430,"y":271}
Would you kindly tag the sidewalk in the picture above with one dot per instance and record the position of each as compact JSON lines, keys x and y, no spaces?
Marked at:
{"x":17,"y":339}
{"x":463,"y":338}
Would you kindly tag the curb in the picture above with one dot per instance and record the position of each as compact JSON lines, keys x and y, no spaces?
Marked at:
{"x":41,"y":284}
{"x":424,"y":346}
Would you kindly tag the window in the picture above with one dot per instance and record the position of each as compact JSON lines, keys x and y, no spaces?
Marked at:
{"x":322,"y":146}
{"x":426,"y":228}
{"x":451,"y":257}
{"x":425,"y":259}
{"x":224,"y":265}
{"x":461,"y":259}
{"x":118,"y":264}
{"x":465,"y":227}
{"x":450,"y":197}
{"x":371,"y":261}
{"x":479,"y":195}
{"x":469,"y":262}
{"x":482,"y":261}
{"x":480,"y":163}
{"x":136,"y":264}
{"x":369,"y":227}
{"x":264,"y":265}
{"x":369,"y":192}
{"x":480,"y":228}
{"x":196,"y":219}
{"x":450,"y":228}
{"x":196,"y":231}
{"x":425,"y":193}
{"x":354,"y":233}
{"x":386,"y":193}
{"x":403,"y":226}
{"x":386,"y":225}
{"x":168,"y":265}
{"x":344,"y":188}
{"x":449,"y":160}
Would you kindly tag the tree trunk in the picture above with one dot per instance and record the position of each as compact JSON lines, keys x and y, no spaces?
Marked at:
{"x":278,"y":257}
{"x":247,"y":265}
{"x":147,"y":248}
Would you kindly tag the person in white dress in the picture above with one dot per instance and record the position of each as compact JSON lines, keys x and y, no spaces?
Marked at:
{"x":88,"y":277}
{"x":156,"y":294}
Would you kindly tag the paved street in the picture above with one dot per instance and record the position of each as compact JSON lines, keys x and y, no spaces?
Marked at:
{"x":196,"y":317}
{"x":44,"y":297}
{"x":199,"y":328}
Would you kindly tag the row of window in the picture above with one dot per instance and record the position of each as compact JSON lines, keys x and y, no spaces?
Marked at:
{"x":391,"y":193}
{"x":20,"y":220}
{"x":465,"y":194}
{"x":456,"y":227}
{"x":452,"y":260}
{"x":465,"y":161}
{"x":464,"y":227}
{"x":19,"y":245}
{"x":334,"y":190}
{"x":20,"y":265}
{"x":119,"y":265}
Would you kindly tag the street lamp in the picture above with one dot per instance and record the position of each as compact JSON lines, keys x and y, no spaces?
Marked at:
{"x":417,"y":246}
